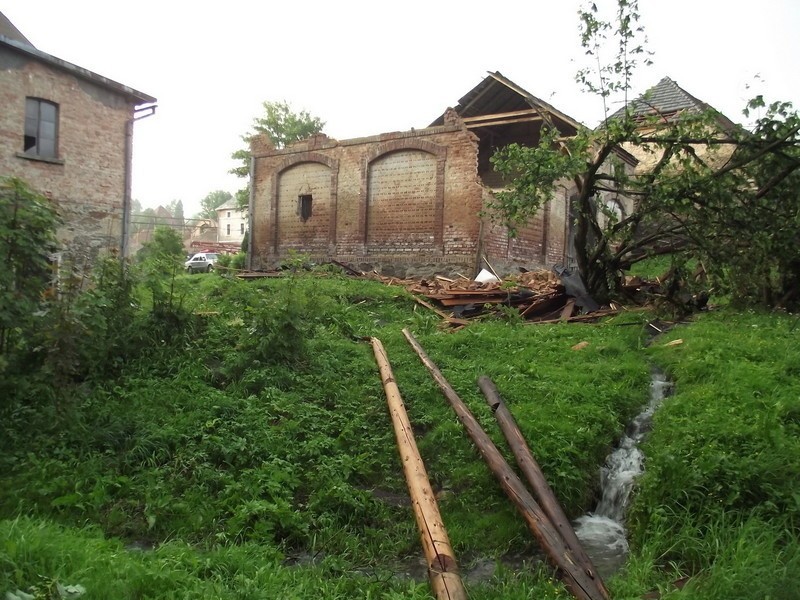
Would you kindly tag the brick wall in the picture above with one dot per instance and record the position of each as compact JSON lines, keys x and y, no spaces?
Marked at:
{"x":398,"y":202}
{"x":88,"y":183}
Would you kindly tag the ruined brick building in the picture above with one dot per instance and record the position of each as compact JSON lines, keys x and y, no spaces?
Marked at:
{"x":67,"y":132}
{"x":413,"y":200}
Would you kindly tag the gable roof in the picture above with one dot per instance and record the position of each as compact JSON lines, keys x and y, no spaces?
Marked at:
{"x":231,"y":204}
{"x":11,"y":38}
{"x":8,"y":30}
{"x":497,"y":94}
{"x":667,"y":99}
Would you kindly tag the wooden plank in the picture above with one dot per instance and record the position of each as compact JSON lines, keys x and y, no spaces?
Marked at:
{"x":503,"y":122}
{"x":503,"y":115}
{"x":569,"y":308}
{"x":450,"y":319}
{"x":442,"y":567}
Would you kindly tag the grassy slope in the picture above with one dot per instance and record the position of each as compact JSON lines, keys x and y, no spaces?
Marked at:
{"x":263,"y":435}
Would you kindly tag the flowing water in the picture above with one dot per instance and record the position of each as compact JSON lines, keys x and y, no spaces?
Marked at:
{"x":602,"y":532}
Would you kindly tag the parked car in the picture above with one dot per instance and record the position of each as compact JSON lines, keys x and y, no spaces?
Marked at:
{"x":202,"y":262}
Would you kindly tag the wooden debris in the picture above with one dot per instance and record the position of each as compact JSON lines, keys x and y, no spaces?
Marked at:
{"x":580,"y":345}
{"x":536,"y":480}
{"x":442,"y":566}
{"x":583,"y":585}
{"x":677,"y":342}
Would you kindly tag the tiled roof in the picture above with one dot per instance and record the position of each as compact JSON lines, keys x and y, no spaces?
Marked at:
{"x":667,"y":98}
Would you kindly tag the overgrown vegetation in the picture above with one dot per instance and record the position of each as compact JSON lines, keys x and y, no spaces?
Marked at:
{"x":247,"y":434}
{"x":718,"y":193}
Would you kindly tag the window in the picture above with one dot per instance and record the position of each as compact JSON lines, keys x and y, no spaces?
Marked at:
{"x":229,"y":214}
{"x":304,"y":206}
{"x":229,"y":229}
{"x":242,"y":228}
{"x":41,"y":128}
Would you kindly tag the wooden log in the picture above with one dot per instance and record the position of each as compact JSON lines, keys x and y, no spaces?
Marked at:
{"x":581,"y":584}
{"x":442,"y":567}
{"x":532,"y":473}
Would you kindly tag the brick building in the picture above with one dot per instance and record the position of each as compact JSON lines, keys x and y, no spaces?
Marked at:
{"x":412,"y":201}
{"x":67,"y":132}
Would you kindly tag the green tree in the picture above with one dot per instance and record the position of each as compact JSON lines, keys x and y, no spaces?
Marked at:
{"x":164,"y":252}
{"x":28,"y":223}
{"x":210,"y":203}
{"x":176,"y":210}
{"x":282,"y":126}
{"x":738,"y":216}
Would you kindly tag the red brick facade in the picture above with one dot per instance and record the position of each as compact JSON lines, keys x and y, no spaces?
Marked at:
{"x":397,"y":202}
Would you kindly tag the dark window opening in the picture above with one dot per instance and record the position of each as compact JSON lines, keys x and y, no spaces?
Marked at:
{"x":229,"y":214}
{"x":241,"y":228}
{"x":41,"y":128}
{"x":229,"y":229}
{"x":305,"y":206}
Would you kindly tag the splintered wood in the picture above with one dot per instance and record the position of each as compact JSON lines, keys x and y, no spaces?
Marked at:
{"x":538,"y":296}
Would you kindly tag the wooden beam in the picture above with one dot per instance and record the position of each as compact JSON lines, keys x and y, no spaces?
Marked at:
{"x":537,"y":482}
{"x":505,"y":115}
{"x":442,"y":566}
{"x":583,"y":585}
{"x":503,"y":122}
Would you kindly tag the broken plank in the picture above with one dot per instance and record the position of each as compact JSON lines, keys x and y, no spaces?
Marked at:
{"x":450,"y":319}
{"x":569,"y":308}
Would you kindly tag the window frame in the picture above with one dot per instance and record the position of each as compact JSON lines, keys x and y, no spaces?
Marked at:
{"x":34,"y":130}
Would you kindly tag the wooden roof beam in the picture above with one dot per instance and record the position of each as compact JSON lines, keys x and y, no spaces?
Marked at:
{"x":505,"y":115}
{"x":479,"y":124}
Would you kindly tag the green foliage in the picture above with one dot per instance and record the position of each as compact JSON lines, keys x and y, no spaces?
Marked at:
{"x":164,"y":252}
{"x":282,"y":126}
{"x":720,"y":195}
{"x":28,"y":223}
{"x":211,"y":202}
{"x":227,"y":449}
{"x":230,"y":262}
{"x":718,"y":495}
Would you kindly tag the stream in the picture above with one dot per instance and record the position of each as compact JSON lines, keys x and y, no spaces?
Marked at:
{"x":602,"y":531}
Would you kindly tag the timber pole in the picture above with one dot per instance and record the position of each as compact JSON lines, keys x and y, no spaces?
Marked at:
{"x":581,"y":584}
{"x":532,"y":473}
{"x":442,"y":567}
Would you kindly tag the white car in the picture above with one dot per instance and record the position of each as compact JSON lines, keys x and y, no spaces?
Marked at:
{"x":202,"y":262}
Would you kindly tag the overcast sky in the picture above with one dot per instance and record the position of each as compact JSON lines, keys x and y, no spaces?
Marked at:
{"x":367,"y":67}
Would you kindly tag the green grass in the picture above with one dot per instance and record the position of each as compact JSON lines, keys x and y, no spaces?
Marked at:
{"x":255,"y":427}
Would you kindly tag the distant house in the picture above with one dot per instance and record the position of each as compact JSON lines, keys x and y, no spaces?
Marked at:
{"x":414,"y":201}
{"x":68,"y":133}
{"x":231,"y":222}
{"x":663,"y":104}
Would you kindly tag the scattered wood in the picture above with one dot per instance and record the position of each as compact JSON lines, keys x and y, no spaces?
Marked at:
{"x":491,"y":268}
{"x":580,"y":345}
{"x":347,"y":268}
{"x":536,"y":480}
{"x":442,"y":567}
{"x":583,"y":585}
{"x":677,"y":342}
{"x":450,"y":320}
{"x":569,"y":308}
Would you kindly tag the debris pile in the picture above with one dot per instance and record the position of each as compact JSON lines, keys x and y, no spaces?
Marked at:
{"x":538,"y":296}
